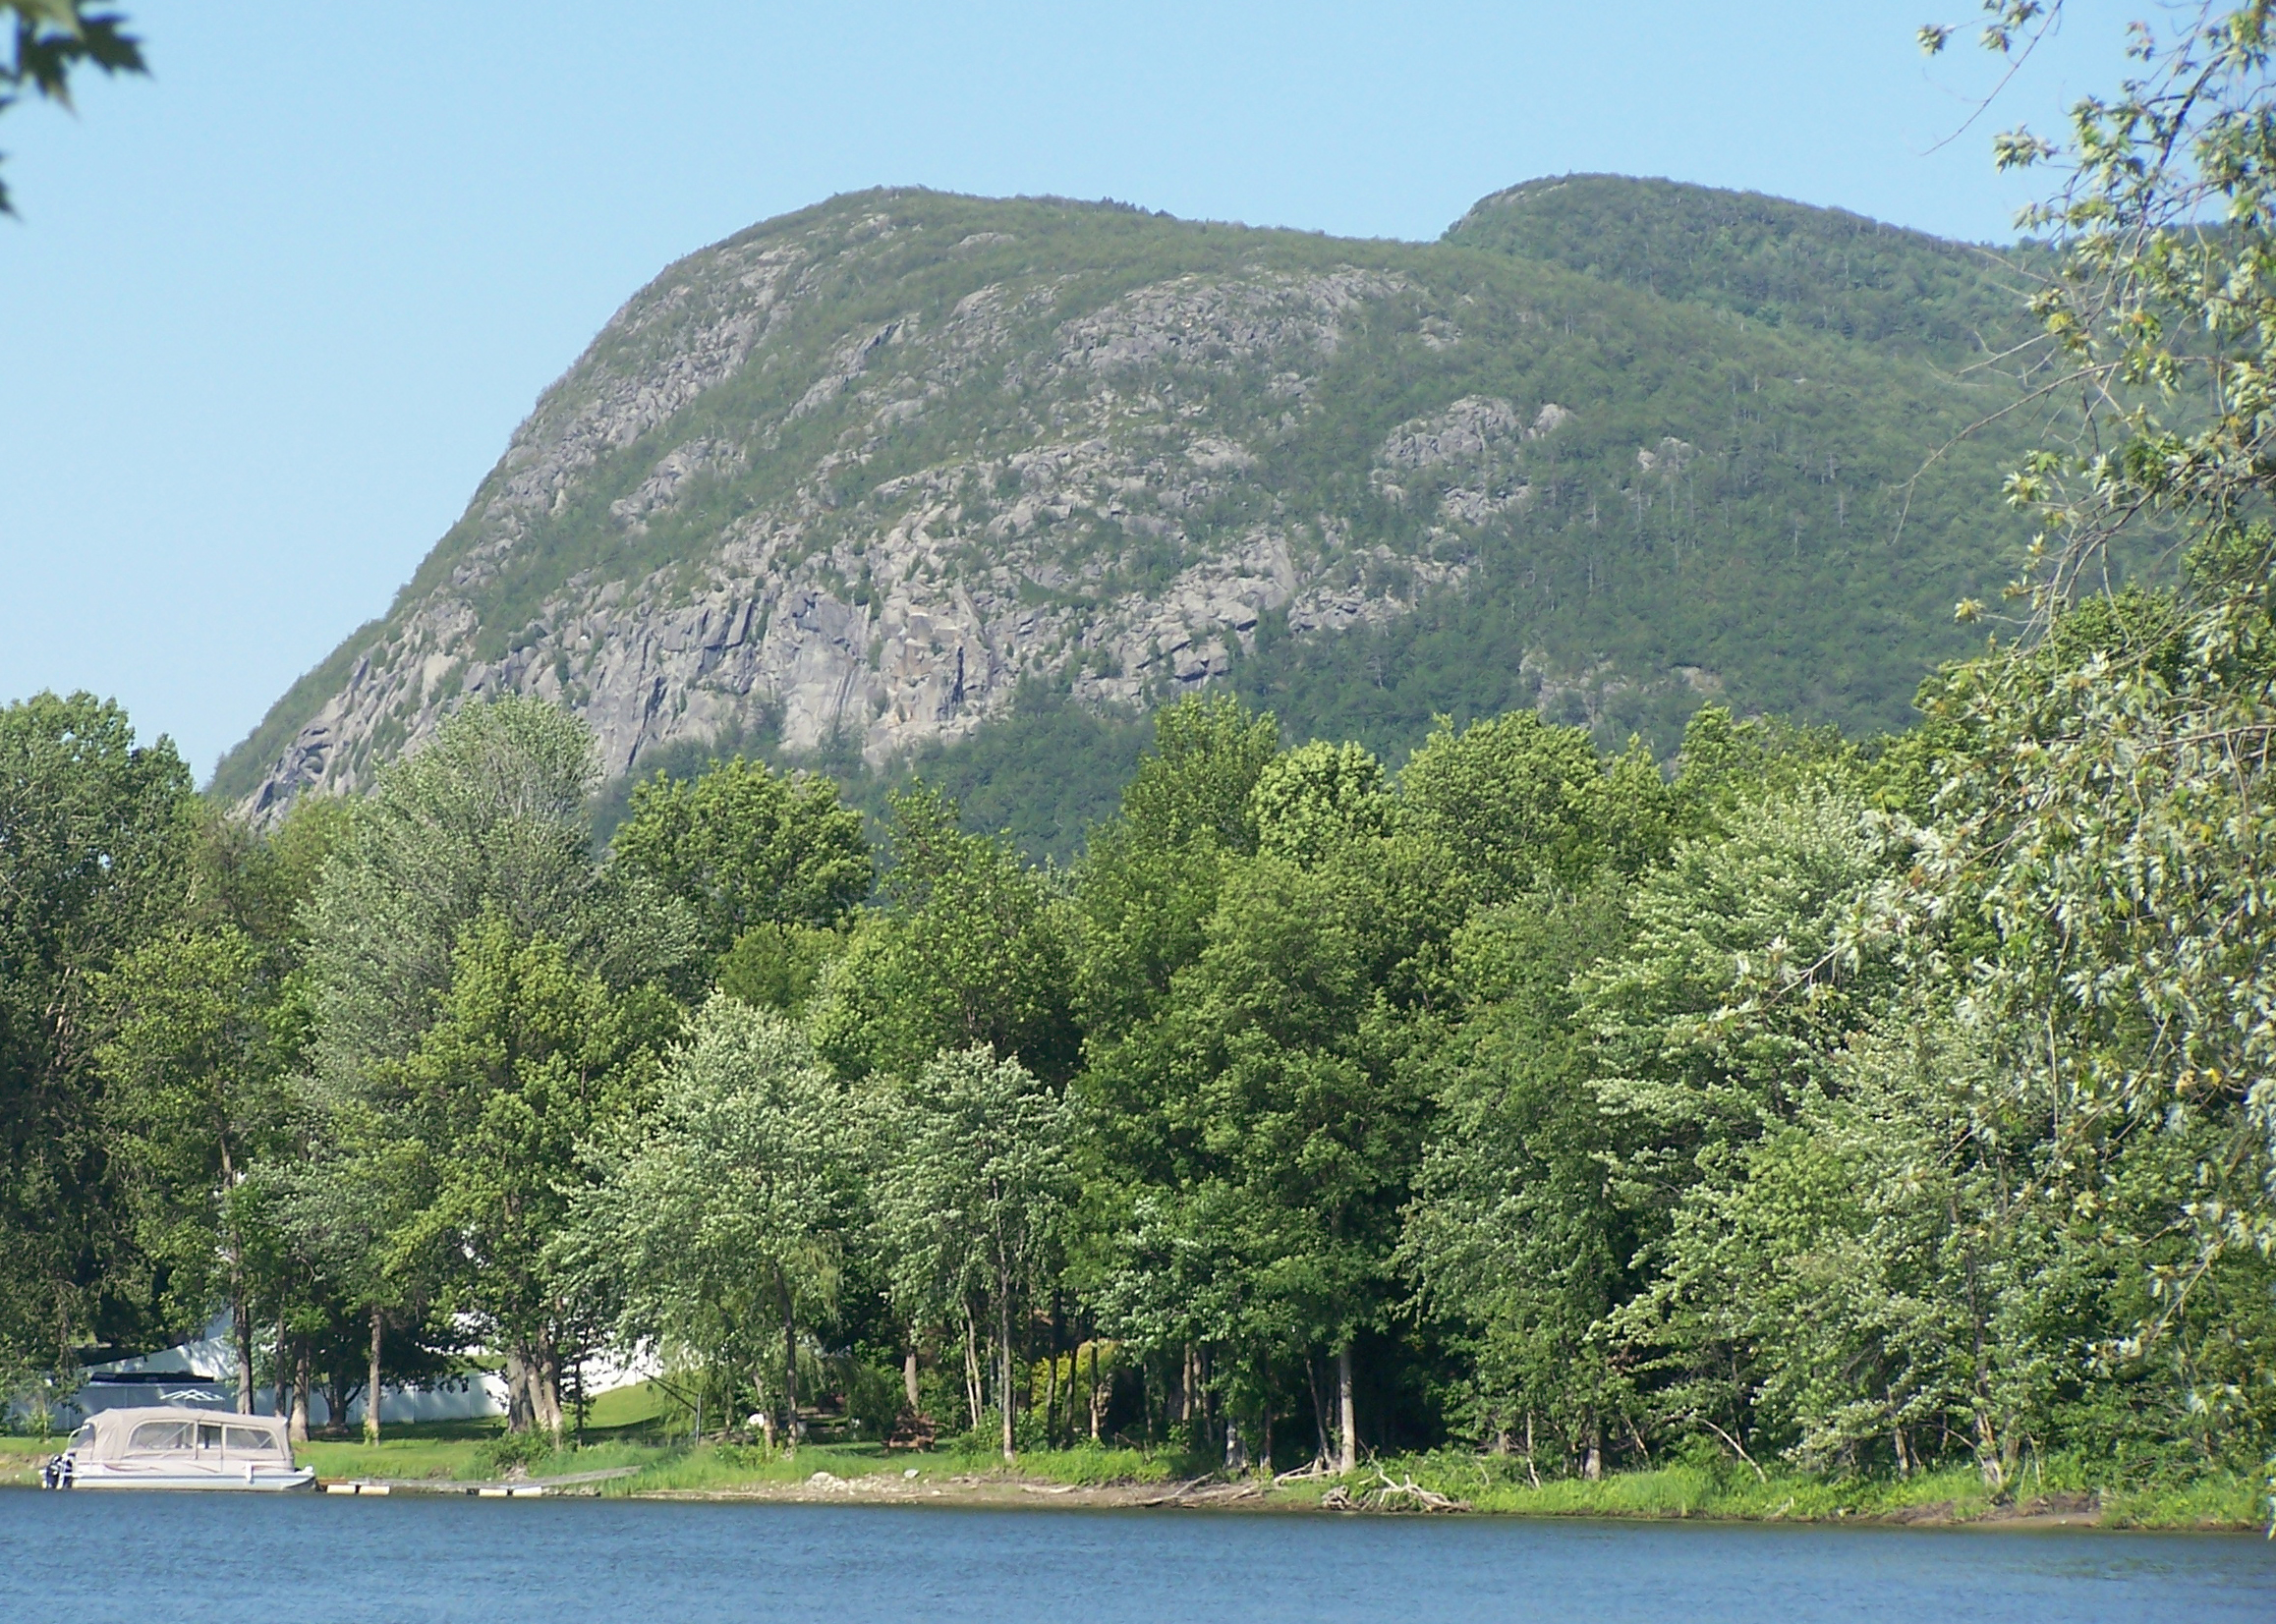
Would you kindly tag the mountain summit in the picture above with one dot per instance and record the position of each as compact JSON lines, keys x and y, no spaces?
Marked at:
{"x":855,"y":478}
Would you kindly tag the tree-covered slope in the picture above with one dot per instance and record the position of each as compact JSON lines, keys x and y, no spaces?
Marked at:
{"x":1821,"y":270}
{"x":847,"y":483}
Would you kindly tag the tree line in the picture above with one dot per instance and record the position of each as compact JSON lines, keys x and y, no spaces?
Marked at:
{"x":1529,"y":1098}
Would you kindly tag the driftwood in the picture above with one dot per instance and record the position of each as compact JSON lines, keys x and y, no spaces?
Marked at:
{"x":1389,"y":1496}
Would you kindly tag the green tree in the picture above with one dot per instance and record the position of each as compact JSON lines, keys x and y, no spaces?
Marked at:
{"x":529,"y":1060}
{"x":1719,"y":1021}
{"x":745,"y":846}
{"x":973,"y":1193}
{"x":1513,"y":1240}
{"x":1523,"y":804}
{"x":96,"y":844}
{"x":1149,"y":880}
{"x":721,"y":1220}
{"x":487,"y":825}
{"x":196,"y":1061}
{"x":971,"y":949}
{"x":1261,"y":1129}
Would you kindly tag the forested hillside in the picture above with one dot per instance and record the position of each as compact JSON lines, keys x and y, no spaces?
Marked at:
{"x":867,"y":480}
{"x":1786,"y":265}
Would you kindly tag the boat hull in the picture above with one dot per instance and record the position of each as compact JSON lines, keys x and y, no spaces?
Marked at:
{"x":239,"y":1479}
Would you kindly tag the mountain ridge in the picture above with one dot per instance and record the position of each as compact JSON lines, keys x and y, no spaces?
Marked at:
{"x":856,"y":474}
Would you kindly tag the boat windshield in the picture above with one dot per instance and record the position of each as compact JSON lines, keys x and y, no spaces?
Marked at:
{"x":251,"y":1441}
{"x":157,"y":1435}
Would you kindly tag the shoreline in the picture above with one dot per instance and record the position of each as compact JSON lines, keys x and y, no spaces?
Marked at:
{"x":837,"y":1474}
{"x":1013,"y":1489}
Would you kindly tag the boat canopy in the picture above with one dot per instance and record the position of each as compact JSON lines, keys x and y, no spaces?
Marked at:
{"x":171,"y":1431}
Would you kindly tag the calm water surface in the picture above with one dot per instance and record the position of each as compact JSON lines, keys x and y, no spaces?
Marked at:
{"x":148,"y":1558}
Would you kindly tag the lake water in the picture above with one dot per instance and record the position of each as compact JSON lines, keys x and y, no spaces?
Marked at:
{"x":154,"y":1559}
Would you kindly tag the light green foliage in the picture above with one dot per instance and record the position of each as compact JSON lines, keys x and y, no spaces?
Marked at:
{"x":1522,"y":804}
{"x":975,"y":1179}
{"x":488,"y":818}
{"x":720,"y":1221}
{"x":1732,"y":992}
{"x":744,"y":846}
{"x":465,"y":856}
{"x":1317,"y":798}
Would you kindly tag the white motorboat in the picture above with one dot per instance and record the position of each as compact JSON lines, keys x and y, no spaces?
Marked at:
{"x":169,"y":1448}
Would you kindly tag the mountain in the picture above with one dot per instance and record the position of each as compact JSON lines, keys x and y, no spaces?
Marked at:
{"x":916,"y":476}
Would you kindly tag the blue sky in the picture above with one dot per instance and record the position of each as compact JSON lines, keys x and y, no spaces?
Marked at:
{"x":269,"y":315}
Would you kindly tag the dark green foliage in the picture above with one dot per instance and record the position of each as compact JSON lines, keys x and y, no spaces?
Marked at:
{"x":96,"y":843}
{"x":742,"y":846}
{"x":1042,"y":776}
{"x":1780,"y":263}
{"x":779,"y":967}
{"x":42,"y":45}
{"x":970,"y":951}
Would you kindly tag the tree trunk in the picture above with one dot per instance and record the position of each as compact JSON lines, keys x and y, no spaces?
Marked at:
{"x":241,"y":1315}
{"x":909,"y":1375}
{"x":1319,"y":1410}
{"x":372,"y":1386}
{"x":1592,"y":1464}
{"x":1097,"y":1399}
{"x":521,"y":1414}
{"x":1051,"y":1396}
{"x":789,"y":1377}
{"x":545,"y":1384}
{"x":974,"y":1407}
{"x":281,"y":1376}
{"x":1003,"y":1357}
{"x":1996,"y":1455}
{"x":299,"y":1433}
{"x":1236,"y":1456}
{"x":1347,"y":1440}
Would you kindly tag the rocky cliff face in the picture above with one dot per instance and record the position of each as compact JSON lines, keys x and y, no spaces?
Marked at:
{"x":854,"y":474}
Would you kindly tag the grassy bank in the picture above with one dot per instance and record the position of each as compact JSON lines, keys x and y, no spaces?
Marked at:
{"x":20,"y":1458}
{"x":660,"y":1464}
{"x":1956,"y":1494}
